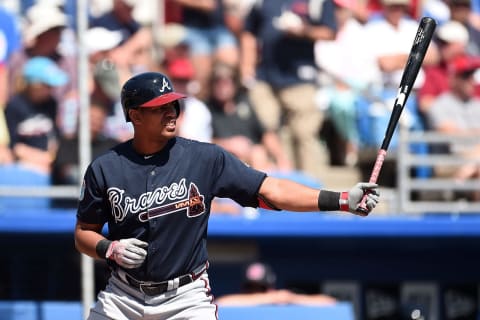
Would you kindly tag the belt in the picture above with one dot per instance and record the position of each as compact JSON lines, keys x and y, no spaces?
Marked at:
{"x":156,"y":288}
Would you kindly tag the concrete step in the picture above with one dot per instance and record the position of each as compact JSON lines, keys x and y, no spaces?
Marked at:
{"x":338,"y":178}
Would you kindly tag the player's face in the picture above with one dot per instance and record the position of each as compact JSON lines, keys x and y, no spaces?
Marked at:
{"x":159,"y":121}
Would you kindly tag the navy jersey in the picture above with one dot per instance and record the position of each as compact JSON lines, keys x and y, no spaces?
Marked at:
{"x":197,"y":18}
{"x":165,"y":200}
{"x":112,"y":23}
{"x":243,"y":121}
{"x":30,"y":123}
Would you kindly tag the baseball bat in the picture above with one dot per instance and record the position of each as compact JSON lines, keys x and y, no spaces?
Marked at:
{"x":417,"y":53}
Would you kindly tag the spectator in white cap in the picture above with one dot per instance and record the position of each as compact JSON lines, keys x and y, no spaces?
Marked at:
{"x":31,"y":114}
{"x":461,"y":11}
{"x":100,"y":40}
{"x":451,"y":39}
{"x":42,"y":31}
{"x":104,"y":86}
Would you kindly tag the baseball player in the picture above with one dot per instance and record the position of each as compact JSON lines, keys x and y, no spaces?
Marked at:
{"x":155,"y":193}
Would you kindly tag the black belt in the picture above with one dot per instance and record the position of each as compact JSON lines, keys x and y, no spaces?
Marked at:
{"x":156,"y":288}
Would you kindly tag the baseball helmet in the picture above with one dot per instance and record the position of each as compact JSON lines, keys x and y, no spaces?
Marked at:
{"x":148,"y":89}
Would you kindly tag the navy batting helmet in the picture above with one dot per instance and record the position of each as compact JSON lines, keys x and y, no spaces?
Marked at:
{"x":149,"y":89}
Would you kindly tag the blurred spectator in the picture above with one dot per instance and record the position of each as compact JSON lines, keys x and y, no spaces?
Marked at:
{"x":99,"y":43}
{"x":457,"y":112}
{"x":170,"y":44}
{"x":172,"y":12}
{"x":278,"y":67}
{"x":208,"y":38}
{"x":436,"y":9}
{"x":9,"y":42}
{"x":451,"y":39}
{"x":31,"y":115}
{"x":235,"y":14}
{"x":461,"y":11}
{"x":65,"y":168}
{"x":134,"y":51}
{"x":236,"y":126}
{"x":344,"y":80}
{"x":98,"y":8}
{"x":375,"y":8}
{"x":390,"y":37}
{"x":259,"y":288}
{"x":6,"y":155}
{"x":68,"y":44}
{"x":106,"y":89}
{"x":195,"y":120}
{"x":104,"y":86}
{"x":43,"y":28}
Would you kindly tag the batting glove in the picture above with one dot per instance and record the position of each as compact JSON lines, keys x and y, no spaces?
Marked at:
{"x":127,"y":253}
{"x":350,"y":201}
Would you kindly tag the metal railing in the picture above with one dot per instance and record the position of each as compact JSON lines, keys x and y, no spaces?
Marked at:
{"x":434,"y":194}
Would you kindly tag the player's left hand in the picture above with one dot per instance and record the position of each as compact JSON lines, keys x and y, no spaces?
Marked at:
{"x":356,"y":194}
{"x":128,"y":253}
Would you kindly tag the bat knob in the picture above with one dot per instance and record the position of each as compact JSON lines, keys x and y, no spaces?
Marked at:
{"x":360,"y":211}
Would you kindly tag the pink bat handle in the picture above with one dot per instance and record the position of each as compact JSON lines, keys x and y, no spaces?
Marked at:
{"x":362,"y":208}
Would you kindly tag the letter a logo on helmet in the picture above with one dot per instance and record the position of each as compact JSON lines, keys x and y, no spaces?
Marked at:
{"x":149,"y":89}
{"x":165,"y":85}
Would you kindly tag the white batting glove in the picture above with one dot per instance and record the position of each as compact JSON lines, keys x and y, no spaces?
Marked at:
{"x":128,"y":253}
{"x":350,"y":201}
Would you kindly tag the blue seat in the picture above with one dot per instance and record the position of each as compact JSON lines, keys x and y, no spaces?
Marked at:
{"x":18,"y":310}
{"x":44,"y":310}
{"x":58,"y":310}
{"x":17,"y":175}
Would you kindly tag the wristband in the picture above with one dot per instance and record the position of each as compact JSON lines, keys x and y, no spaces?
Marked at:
{"x":328,"y":200}
{"x":102,"y":247}
{"x":343,"y":201}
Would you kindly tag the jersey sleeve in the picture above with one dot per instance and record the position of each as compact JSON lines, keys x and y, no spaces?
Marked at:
{"x":236,"y":180}
{"x":92,"y":206}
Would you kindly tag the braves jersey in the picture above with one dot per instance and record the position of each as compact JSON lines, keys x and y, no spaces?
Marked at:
{"x":164,"y":199}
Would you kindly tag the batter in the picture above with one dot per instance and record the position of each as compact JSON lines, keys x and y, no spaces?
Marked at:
{"x":155,"y":193}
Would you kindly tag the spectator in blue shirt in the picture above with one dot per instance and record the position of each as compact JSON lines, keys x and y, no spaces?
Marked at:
{"x":31,"y":115}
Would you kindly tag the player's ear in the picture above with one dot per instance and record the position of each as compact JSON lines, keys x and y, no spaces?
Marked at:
{"x":134,"y":115}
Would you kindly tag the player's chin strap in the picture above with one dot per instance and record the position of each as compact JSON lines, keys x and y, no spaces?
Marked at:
{"x":265,"y":204}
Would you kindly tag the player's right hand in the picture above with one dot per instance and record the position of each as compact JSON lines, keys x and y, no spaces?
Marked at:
{"x":128,"y":253}
{"x":356,"y":194}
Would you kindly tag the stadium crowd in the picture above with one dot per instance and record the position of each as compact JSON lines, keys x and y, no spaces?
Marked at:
{"x":276,"y":82}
